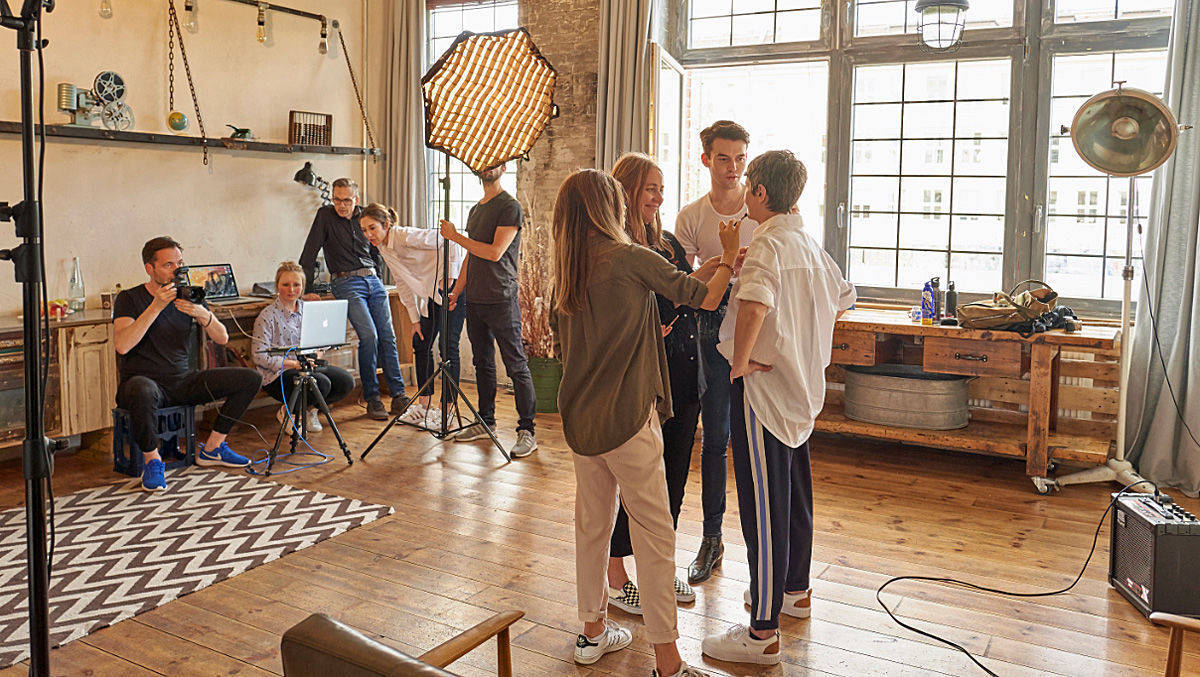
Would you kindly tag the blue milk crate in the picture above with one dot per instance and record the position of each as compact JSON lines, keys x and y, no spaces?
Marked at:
{"x":176,"y":440}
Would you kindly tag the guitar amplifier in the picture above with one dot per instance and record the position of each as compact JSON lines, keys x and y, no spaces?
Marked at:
{"x":1154,"y":554}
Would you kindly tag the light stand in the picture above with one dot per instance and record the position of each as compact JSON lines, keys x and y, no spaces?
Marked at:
{"x":1117,"y":468}
{"x":304,"y":392}
{"x":451,"y":392}
{"x":27,"y":258}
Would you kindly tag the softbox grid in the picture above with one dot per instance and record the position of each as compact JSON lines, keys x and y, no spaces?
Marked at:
{"x":488,"y":98}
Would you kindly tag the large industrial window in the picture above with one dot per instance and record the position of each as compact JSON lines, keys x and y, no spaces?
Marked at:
{"x":724,"y":23}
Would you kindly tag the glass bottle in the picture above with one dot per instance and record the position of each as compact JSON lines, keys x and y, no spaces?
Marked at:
{"x":75,"y":293}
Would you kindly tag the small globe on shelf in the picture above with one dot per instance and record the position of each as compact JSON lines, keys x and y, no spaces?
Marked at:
{"x":177,"y":121}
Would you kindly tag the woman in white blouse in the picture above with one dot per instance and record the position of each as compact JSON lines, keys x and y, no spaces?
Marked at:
{"x":414,"y":257}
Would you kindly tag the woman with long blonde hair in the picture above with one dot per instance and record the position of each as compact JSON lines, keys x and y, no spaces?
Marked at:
{"x":642,"y":184}
{"x":614,"y":394}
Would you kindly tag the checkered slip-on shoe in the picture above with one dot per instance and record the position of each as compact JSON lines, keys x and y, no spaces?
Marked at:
{"x":626,"y":599}
{"x":684,"y":593}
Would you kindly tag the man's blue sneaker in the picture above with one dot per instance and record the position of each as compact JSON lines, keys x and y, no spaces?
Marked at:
{"x":153,"y":478}
{"x":222,"y":455}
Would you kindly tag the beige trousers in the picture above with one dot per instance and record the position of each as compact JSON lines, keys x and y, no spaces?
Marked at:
{"x":635,"y":469}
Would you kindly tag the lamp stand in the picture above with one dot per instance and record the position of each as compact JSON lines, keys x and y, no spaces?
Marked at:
{"x":1117,"y":468}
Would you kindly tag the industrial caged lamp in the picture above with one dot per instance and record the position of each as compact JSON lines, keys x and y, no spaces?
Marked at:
{"x":941,"y":24}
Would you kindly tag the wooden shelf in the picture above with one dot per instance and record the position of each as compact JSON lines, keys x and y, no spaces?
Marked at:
{"x":106,"y":135}
{"x":1001,"y":439}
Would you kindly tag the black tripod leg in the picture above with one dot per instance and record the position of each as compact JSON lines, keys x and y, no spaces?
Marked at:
{"x":323,"y":407}
{"x":396,"y":419}
{"x":459,"y":393}
{"x":291,"y":407}
{"x":299,"y":425}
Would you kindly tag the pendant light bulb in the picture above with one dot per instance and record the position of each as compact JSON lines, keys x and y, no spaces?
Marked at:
{"x":105,"y":9}
{"x":189,"y":8}
{"x":261,"y":32}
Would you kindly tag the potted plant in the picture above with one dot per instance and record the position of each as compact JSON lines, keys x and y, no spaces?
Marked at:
{"x":534,"y":282}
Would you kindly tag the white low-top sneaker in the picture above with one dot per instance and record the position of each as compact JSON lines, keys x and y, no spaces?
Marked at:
{"x":684,"y":671}
{"x":797,"y":605}
{"x":414,"y":414}
{"x":312,"y":422}
{"x":735,"y":645}
{"x":615,"y":638}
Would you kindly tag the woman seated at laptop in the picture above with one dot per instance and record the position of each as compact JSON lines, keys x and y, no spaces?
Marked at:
{"x":414,"y":257}
{"x":278,"y":326}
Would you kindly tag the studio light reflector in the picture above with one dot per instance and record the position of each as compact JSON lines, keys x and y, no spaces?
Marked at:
{"x":488,"y":98}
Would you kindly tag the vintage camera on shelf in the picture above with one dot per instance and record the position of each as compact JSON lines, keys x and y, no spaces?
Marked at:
{"x":184,"y":289}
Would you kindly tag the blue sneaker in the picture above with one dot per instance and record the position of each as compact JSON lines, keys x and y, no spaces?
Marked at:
{"x":153,"y":478}
{"x":222,"y":455}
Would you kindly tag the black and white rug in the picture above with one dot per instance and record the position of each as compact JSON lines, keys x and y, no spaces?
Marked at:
{"x":121,"y":551}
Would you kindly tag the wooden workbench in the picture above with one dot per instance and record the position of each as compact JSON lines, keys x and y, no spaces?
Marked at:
{"x":1045,"y":398}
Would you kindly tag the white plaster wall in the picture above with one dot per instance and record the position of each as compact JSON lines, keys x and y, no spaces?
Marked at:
{"x":102,"y":201}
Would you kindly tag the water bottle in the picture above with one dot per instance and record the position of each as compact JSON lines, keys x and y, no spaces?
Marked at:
{"x":75,"y":293}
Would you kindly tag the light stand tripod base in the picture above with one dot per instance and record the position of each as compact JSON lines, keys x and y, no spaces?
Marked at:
{"x":1116,"y":470}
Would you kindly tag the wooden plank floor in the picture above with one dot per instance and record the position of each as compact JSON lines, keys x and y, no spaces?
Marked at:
{"x":472,"y":535}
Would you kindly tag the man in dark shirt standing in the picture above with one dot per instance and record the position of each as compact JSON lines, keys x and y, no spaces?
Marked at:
{"x":348,"y":256}
{"x":155,"y":335}
{"x":488,"y":286}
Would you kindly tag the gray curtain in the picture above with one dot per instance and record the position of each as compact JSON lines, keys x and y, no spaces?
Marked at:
{"x":623,"y":80}
{"x":1161,"y":446}
{"x":404,"y":120}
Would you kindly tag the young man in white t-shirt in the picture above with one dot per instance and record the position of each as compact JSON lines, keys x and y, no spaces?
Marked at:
{"x":777,"y":336}
{"x":725,"y":144}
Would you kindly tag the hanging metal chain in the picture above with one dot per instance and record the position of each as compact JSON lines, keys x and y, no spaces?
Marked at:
{"x":187,"y":69}
{"x":170,"y":66}
{"x":354,"y":81}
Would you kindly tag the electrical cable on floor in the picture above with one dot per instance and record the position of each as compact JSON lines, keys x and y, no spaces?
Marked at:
{"x":973,"y":586}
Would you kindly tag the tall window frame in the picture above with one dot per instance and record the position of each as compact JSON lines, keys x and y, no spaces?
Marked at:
{"x":1030,"y":43}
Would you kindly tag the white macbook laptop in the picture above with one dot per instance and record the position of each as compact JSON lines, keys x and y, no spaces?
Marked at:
{"x":220,"y":286}
{"x":323,"y":324}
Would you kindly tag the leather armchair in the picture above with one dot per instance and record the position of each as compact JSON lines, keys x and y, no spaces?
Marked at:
{"x":319,"y":646}
{"x":1178,"y":625}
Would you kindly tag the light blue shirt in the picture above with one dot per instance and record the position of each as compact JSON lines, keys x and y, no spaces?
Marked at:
{"x":275,"y":327}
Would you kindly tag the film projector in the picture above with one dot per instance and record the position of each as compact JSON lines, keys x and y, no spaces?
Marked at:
{"x":106,"y":101}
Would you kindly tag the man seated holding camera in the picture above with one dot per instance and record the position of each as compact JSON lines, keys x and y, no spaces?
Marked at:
{"x":156,"y":331}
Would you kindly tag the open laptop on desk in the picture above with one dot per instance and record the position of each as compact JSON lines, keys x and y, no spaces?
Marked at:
{"x":220,"y":286}
{"x":323,"y":324}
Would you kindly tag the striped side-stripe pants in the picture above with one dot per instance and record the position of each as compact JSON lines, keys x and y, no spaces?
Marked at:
{"x":774,"y":487}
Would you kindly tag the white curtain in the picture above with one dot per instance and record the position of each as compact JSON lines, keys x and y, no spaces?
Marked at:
{"x":623,"y":80}
{"x":1167,"y":334}
{"x":404,"y":176}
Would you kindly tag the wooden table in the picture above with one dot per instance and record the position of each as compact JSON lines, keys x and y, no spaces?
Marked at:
{"x":1016,"y":398}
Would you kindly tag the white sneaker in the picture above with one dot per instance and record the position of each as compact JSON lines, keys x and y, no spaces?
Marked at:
{"x":433,"y":417}
{"x":473,"y":432}
{"x":735,"y":645}
{"x":414,"y":414}
{"x":312,"y":422}
{"x":615,"y":638}
{"x":797,"y":605}
{"x":526,"y":444}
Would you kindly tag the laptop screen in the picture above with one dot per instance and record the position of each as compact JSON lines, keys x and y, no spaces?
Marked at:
{"x":217,"y":280}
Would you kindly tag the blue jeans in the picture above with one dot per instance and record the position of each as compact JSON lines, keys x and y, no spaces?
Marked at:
{"x":371,"y":317}
{"x":714,"y":440}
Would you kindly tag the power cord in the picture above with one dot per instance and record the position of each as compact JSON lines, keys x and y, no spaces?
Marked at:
{"x":45,"y":314}
{"x":1158,"y":351}
{"x":954,"y":581}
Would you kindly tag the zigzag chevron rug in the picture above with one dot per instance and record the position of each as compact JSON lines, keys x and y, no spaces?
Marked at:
{"x":121,"y":551}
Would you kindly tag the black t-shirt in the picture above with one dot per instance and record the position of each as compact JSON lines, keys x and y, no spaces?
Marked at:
{"x":164,"y":353}
{"x":493,"y":281}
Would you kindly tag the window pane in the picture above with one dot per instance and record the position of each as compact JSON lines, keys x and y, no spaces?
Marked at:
{"x":876,"y":157}
{"x":877,"y":121}
{"x":878,"y":83}
{"x":1072,"y":11}
{"x":952,"y":188}
{"x":872,"y":267}
{"x":747,"y":6}
{"x":701,"y":8}
{"x":798,"y":26}
{"x":873,"y":230}
{"x":709,"y":32}
{"x":799,"y":92}
{"x":753,"y":29}
{"x":1085,"y":226}
{"x":896,"y":17}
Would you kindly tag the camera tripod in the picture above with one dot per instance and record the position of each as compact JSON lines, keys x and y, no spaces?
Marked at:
{"x":305,"y":392}
{"x":451,"y":392}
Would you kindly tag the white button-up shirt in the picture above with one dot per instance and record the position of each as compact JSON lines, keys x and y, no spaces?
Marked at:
{"x":414,"y":257}
{"x":787,"y":271}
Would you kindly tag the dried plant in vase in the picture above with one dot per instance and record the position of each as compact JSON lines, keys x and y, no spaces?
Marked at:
{"x":534,"y":288}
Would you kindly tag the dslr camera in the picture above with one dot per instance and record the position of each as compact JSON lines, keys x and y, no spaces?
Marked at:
{"x":184,"y":289}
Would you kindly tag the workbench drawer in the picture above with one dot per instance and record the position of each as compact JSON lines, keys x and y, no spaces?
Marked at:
{"x":853,"y":347}
{"x":972,"y":358}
